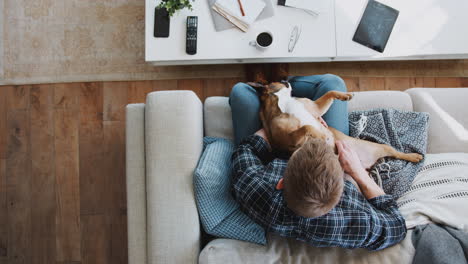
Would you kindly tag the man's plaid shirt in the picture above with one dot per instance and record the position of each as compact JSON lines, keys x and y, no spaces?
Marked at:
{"x":354,"y":223}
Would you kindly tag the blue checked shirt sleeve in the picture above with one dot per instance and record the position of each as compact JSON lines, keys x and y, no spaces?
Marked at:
{"x":252,"y":185}
{"x":388,"y":226}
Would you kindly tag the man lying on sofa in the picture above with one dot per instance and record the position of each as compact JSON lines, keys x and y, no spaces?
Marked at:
{"x":314,"y":203}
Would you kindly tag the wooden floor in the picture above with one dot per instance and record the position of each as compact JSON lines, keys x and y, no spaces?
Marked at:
{"x":62,"y":163}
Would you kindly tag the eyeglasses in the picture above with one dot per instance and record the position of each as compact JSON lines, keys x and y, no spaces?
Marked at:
{"x":295,"y":34}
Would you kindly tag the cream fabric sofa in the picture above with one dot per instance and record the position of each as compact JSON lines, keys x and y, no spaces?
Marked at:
{"x":164,"y":141}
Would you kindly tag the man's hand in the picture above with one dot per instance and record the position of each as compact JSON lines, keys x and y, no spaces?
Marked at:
{"x":349,"y":160}
{"x":262,"y":133}
{"x":351,"y":164}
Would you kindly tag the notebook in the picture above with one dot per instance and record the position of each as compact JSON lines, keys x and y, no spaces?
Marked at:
{"x":230,"y":10}
{"x":376,"y":25}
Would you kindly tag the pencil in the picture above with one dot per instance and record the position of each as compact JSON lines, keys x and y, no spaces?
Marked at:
{"x":241,"y":8}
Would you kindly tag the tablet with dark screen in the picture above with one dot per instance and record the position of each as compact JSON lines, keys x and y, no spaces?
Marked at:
{"x":376,"y":26}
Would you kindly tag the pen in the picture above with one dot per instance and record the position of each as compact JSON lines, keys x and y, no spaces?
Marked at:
{"x":241,"y":9}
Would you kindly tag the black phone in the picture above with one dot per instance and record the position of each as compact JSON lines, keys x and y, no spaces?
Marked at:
{"x":161,"y":23}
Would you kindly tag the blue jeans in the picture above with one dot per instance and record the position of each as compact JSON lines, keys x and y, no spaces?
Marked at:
{"x":245,"y":103}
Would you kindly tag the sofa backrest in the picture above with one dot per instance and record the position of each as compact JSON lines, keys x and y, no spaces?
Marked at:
{"x":448,"y":117}
{"x":218,"y":120}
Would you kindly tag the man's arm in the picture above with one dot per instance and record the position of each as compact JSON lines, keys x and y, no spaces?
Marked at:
{"x":351,"y":164}
{"x":388,"y":226}
{"x":251,"y":178}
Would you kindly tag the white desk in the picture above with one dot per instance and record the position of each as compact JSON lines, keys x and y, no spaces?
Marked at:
{"x":425,"y":29}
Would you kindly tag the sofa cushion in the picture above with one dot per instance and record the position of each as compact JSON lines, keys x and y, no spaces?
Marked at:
{"x":219,"y":213}
{"x":285,"y":250}
{"x":380,"y":99}
{"x":218,"y":119}
{"x":448,"y":122}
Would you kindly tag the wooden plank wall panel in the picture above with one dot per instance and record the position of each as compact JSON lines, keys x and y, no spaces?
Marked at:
{"x":3,"y":212}
{"x":18,"y":181}
{"x":62,"y":157}
{"x":114,"y":153}
{"x":195,"y":85}
{"x":18,"y":171}
{"x":137,"y":91}
{"x":68,"y":224}
{"x":115,"y":100}
{"x":92,"y":179}
{"x":3,"y":190}
{"x":95,"y":239}
{"x":3,"y":122}
{"x":42,"y":174}
{"x":166,"y":85}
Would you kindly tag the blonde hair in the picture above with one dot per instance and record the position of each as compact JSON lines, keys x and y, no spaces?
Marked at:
{"x":313,"y":180}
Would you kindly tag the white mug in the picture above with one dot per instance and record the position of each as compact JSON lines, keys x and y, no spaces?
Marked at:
{"x":263,"y":40}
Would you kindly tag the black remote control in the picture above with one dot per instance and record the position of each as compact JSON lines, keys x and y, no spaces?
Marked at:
{"x":191,"y":37}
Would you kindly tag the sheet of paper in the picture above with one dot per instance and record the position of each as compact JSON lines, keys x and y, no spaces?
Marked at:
{"x":252,"y":8}
{"x":220,"y":23}
{"x":316,"y":6}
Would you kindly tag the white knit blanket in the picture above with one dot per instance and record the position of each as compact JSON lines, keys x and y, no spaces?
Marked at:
{"x":439,"y":193}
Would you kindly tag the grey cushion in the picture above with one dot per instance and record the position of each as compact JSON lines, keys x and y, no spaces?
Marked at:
{"x":219,"y":213}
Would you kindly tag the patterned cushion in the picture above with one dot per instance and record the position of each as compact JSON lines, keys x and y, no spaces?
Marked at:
{"x":220,"y":214}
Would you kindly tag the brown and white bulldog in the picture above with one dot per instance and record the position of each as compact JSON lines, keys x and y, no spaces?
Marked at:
{"x":289,"y":121}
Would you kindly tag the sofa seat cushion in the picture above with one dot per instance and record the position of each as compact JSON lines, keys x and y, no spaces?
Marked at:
{"x":286,"y":250}
{"x":448,"y":122}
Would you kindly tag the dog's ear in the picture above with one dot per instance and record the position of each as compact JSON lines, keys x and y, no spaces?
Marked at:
{"x":256,"y":85}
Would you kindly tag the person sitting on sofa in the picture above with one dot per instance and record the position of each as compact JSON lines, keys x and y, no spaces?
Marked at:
{"x":314,"y":203}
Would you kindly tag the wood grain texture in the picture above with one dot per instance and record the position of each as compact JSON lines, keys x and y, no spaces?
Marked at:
{"x":93,"y":177}
{"x":3,"y":122}
{"x":18,"y":182}
{"x":115,"y":100}
{"x":18,"y":97}
{"x":166,"y":85}
{"x":67,"y":217}
{"x":114,"y":163}
{"x":3,"y":211}
{"x":371,"y":83}
{"x":397,"y":83}
{"x":91,"y":102}
{"x":429,"y":82}
{"x":447,"y":82}
{"x":195,"y":85}
{"x":137,"y":91}
{"x":66,"y":95}
{"x":43,"y":174}
{"x":95,"y":239}
{"x":352,"y":83}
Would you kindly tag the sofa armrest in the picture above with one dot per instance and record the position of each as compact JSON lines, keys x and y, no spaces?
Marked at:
{"x":174,"y":142}
{"x":136,"y":183}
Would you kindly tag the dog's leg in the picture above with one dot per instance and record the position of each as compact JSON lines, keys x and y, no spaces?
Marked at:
{"x":391,"y":152}
{"x":326,"y":100}
{"x":370,"y":152}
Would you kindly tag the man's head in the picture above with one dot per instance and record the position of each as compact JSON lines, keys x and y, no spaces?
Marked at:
{"x":313,"y":180}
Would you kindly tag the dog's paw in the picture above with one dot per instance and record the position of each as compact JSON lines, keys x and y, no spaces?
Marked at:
{"x":345,"y":96}
{"x":414,"y":157}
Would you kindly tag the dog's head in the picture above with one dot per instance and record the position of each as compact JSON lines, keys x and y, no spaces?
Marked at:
{"x":272,"y":88}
